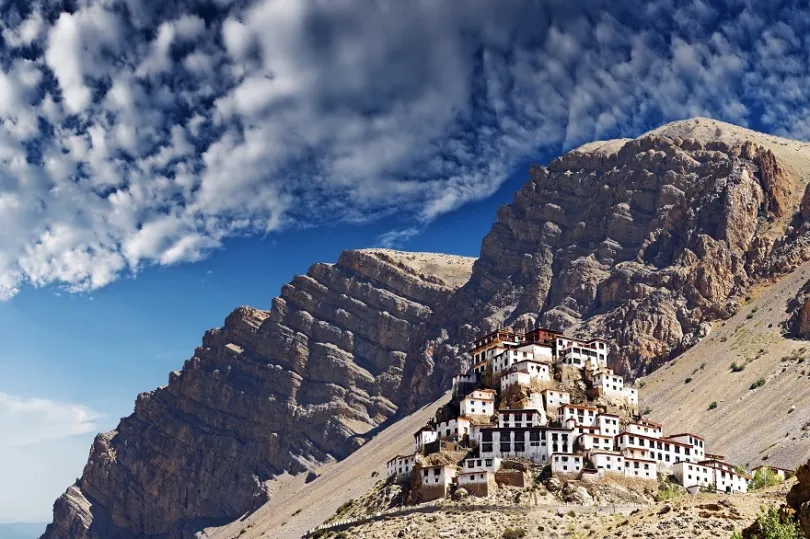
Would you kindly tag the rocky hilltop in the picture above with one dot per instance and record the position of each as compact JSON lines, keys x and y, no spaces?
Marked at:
{"x":269,"y":392}
{"x":645,"y":242}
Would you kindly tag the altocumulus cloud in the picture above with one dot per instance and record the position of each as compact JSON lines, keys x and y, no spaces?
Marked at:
{"x":26,"y":421}
{"x":138,"y":132}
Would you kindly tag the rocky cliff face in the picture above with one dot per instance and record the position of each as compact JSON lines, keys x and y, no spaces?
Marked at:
{"x":642,"y":241}
{"x":270,"y":391}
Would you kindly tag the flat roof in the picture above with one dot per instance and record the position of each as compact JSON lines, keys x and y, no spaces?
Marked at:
{"x":505,"y":410}
{"x":664,"y":440}
{"x":412,"y":455}
{"x":611,"y":453}
{"x":685,"y":434}
{"x":773,"y":468}
{"x":645,"y":424}
{"x":579,"y":407}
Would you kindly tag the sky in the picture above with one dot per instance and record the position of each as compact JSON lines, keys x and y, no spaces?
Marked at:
{"x":164,"y":162}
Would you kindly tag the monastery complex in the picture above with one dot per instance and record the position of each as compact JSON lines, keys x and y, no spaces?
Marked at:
{"x":538,"y":402}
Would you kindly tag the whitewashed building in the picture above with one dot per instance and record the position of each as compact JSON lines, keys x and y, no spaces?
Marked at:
{"x":664,"y":452}
{"x":424,"y":436}
{"x":608,"y":424}
{"x":479,"y":402}
{"x":532,"y":443}
{"x":400,"y":466}
{"x":640,"y":468}
{"x":455,"y":428}
{"x":608,"y":461}
{"x":782,"y":473}
{"x":521,"y":418}
{"x":553,"y":399}
{"x":608,"y":383}
{"x":710,"y":474}
{"x":630,"y":395}
{"x":515,"y":378}
{"x":599,"y":442}
{"x":567,"y":463}
{"x":582,"y":415}
{"x":492,"y":464}
{"x":464,"y":383}
{"x":698,"y":452}
{"x":645,"y":428}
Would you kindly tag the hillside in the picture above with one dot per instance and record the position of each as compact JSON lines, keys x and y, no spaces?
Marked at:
{"x":270,"y":393}
{"x":647,"y":242}
{"x":770,"y":424}
{"x":296,"y":506}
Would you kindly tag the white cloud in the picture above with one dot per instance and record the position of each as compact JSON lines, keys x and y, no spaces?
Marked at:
{"x":149,"y":135}
{"x":26,"y":420}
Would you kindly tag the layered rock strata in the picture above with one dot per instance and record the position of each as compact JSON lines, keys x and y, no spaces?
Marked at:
{"x":269,"y":392}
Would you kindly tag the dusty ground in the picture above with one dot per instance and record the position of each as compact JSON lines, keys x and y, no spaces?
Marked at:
{"x":703,"y":516}
{"x":750,"y":427}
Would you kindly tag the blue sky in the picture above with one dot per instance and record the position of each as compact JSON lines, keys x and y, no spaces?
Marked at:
{"x":164,"y":162}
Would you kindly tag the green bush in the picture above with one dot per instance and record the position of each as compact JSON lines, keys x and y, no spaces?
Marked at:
{"x":736,"y":368}
{"x":667,"y":490}
{"x":513,"y":533}
{"x":764,"y":477}
{"x":758,"y":383}
{"x":713,"y":405}
{"x":771,"y":526}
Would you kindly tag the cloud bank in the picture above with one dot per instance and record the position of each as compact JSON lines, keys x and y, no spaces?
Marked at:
{"x":26,"y":421}
{"x":137,"y":132}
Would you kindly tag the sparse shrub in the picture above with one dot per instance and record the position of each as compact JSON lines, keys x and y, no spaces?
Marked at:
{"x":687,"y":380}
{"x":513,"y":533}
{"x":668,"y":490}
{"x":341,"y":535}
{"x":297,"y":512}
{"x":345,"y":506}
{"x":735,"y":367}
{"x":749,"y":316}
{"x":758,"y":383}
{"x":771,"y":526}
{"x":755,"y":309}
{"x":764,"y":477}
{"x":702,"y":366}
{"x":375,"y":473}
{"x":713,"y":405}
{"x":647,"y":411}
{"x":723,"y":338}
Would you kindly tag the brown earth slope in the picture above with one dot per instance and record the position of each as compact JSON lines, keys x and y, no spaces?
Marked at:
{"x":767,"y":425}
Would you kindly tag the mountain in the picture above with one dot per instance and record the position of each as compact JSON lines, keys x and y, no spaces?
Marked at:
{"x":648,"y":242}
{"x":270,"y":392}
{"x":21,"y":530}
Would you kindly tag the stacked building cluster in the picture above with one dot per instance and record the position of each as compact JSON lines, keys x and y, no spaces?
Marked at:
{"x":551,"y":401}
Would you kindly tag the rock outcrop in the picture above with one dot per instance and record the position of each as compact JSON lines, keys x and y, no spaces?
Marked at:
{"x":644,"y":242}
{"x":269,"y":392}
{"x":798,"y":498}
